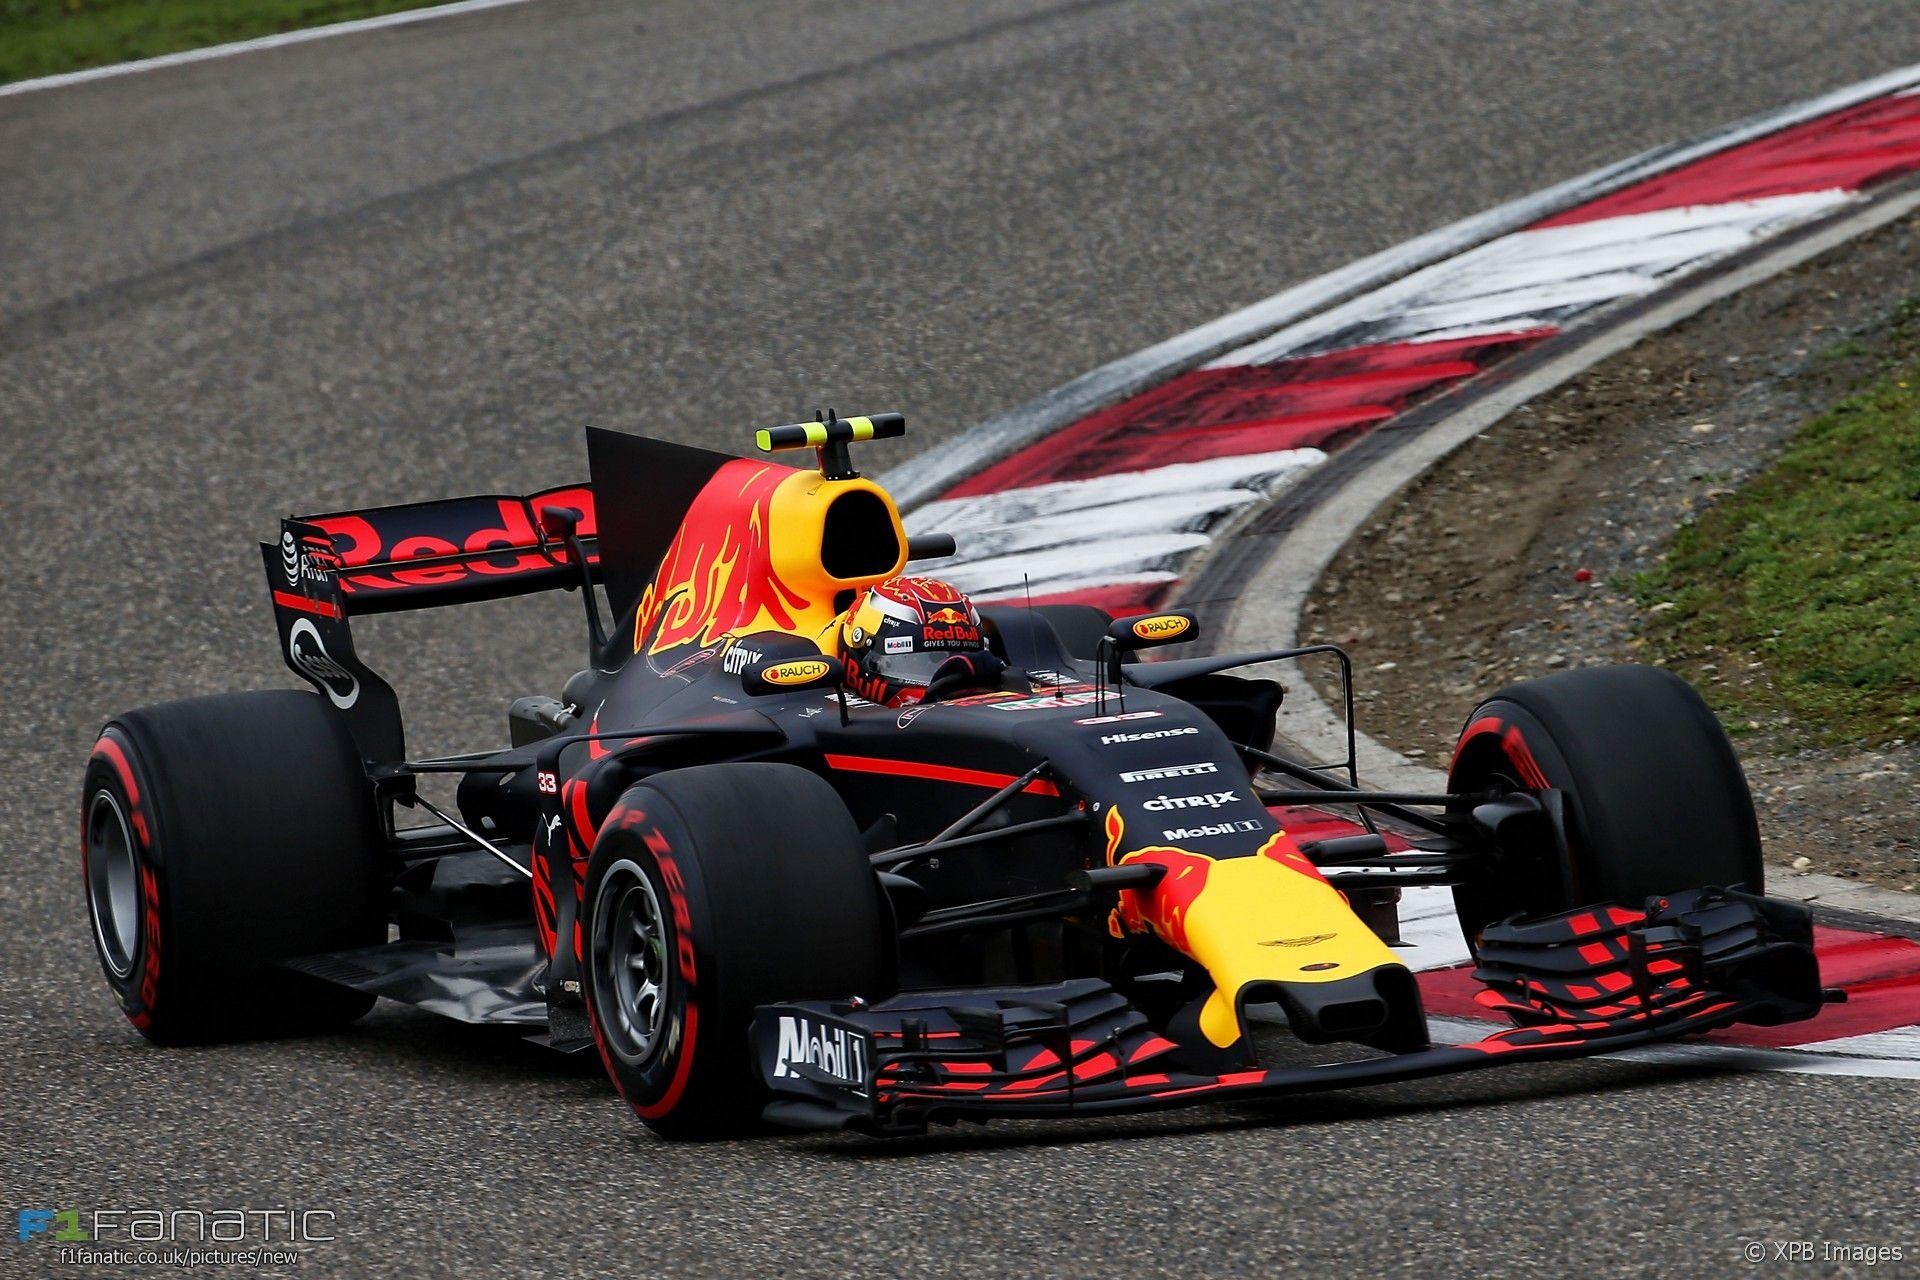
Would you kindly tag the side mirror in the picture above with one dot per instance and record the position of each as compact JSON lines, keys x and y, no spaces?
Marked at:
{"x":930,"y":546}
{"x":790,"y":675}
{"x":1150,"y":630}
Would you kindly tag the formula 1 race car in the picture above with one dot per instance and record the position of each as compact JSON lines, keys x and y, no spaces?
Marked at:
{"x":1049,"y":881}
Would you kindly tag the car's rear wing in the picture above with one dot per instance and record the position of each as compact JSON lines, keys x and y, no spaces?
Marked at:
{"x":455,"y":550}
{"x":327,"y":568}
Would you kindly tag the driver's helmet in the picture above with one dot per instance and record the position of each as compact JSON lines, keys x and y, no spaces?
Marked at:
{"x":900,"y":634}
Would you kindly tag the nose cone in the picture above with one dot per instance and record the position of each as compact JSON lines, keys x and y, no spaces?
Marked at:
{"x":1269,"y":926}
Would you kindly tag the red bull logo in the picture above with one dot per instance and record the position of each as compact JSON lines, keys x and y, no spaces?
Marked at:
{"x":948,"y":615}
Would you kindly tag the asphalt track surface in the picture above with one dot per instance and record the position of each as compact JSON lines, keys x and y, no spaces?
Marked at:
{"x":414,"y":263}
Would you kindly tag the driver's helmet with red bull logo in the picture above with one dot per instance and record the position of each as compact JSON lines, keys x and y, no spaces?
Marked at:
{"x":898,"y":636}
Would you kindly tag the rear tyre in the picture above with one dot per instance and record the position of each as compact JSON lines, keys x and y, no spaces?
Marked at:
{"x":219,"y":836}
{"x":714,"y":890}
{"x":1655,"y":801}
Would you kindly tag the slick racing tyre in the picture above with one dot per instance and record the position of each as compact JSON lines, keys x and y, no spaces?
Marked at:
{"x":1653,"y":795}
{"x":219,"y":836}
{"x":714,"y":890}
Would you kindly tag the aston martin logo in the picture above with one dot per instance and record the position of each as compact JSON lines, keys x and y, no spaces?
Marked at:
{"x":1307,"y":941}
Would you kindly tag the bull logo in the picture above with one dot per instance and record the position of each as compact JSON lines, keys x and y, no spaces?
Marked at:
{"x":952,"y":617}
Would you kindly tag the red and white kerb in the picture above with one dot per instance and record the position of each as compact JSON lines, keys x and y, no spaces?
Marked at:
{"x":1111,"y":509}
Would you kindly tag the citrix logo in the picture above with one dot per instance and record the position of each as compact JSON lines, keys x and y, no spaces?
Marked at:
{"x":1212,"y":800}
{"x":739,"y":658}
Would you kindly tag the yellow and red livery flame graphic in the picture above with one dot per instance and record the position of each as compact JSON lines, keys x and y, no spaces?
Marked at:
{"x":1224,"y":913}
{"x":1163,"y":909}
{"x":718,"y":574}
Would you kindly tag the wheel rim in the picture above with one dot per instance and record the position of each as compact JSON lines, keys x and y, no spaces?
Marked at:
{"x":631,"y":980}
{"x":113,"y":883}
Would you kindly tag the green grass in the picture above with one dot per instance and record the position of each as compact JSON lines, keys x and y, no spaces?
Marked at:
{"x":46,"y":37}
{"x":1811,"y":570}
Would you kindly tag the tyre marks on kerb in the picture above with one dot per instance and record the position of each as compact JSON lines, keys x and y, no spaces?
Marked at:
{"x":1129,"y":530}
{"x":1105,"y":510}
{"x":1544,"y":278}
{"x":1112,"y":508}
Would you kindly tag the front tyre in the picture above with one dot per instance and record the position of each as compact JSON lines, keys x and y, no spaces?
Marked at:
{"x":220,"y":836}
{"x":1654,"y":798}
{"x":711,"y":891}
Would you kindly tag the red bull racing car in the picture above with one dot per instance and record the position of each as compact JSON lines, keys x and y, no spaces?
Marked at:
{"x":814,"y":841}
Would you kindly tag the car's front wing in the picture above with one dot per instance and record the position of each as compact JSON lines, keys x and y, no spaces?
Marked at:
{"x":1587,"y":982}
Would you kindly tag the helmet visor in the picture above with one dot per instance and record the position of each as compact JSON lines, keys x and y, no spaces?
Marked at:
{"x":916,"y":669}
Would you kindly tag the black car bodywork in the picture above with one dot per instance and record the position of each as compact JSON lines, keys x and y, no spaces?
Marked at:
{"x":1084,"y":868}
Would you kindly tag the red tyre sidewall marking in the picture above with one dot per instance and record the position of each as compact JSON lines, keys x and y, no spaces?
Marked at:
{"x":140,"y":994}
{"x":659,"y":851}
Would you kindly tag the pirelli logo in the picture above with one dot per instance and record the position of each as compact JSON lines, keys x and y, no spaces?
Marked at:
{"x":1170,"y":771}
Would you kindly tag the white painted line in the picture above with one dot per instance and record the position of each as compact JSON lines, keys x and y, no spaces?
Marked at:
{"x":1807,"y":1060}
{"x":1072,"y":534}
{"x":1191,"y":511}
{"x":1900,"y":1042}
{"x":1431,"y":930}
{"x":1253,"y":471}
{"x":212,"y":51}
